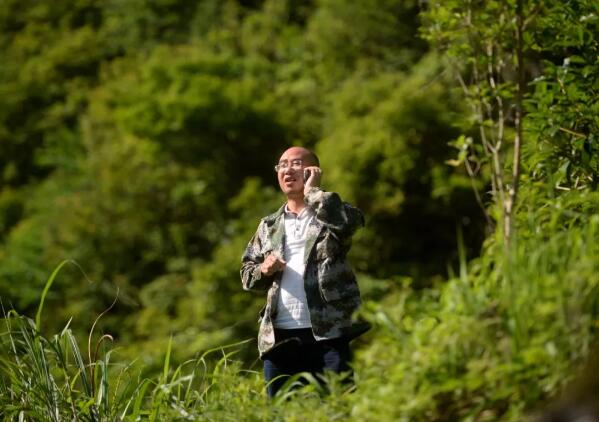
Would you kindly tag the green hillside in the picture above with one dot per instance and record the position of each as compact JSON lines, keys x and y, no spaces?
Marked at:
{"x":137,"y":141}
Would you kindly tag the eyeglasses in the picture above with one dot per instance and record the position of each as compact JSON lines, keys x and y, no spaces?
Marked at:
{"x":284,"y":165}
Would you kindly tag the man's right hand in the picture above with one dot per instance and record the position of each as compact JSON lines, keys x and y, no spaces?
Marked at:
{"x":272,"y":264}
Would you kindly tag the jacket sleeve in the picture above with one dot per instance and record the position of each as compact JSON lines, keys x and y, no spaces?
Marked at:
{"x":251,"y":276}
{"x":340,"y":217}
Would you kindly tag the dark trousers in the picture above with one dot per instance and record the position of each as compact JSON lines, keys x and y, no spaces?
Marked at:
{"x":305,"y":355}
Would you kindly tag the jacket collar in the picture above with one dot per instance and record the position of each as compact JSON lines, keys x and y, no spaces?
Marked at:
{"x":275,"y":242}
{"x":276,"y":231}
{"x":272,"y":218}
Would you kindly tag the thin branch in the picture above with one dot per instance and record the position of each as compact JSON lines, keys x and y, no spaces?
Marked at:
{"x":571,"y":132}
{"x":89,"y":339}
{"x":513,"y":192}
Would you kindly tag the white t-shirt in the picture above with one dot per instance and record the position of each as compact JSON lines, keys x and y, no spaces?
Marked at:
{"x":292,"y":307}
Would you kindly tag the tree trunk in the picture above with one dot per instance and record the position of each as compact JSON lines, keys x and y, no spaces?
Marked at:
{"x":510,"y":201}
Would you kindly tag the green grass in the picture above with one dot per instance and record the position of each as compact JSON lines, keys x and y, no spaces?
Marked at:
{"x":49,"y":379}
{"x":494,"y":342}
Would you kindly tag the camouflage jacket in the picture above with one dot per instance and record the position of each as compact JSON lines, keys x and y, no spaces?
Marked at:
{"x":331,"y":289}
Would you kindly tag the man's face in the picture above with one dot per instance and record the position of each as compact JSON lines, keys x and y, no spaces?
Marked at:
{"x":291,"y":171}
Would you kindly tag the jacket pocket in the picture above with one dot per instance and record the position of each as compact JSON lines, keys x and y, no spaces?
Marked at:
{"x":338,"y":283}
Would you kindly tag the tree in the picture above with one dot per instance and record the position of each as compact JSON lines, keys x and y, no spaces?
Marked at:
{"x":485,"y":47}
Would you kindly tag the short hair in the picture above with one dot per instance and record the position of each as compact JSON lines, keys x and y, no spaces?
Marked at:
{"x":314,"y":158}
{"x":311,"y":154}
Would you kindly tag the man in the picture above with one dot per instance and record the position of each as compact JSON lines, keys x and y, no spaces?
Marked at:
{"x":298,"y":255}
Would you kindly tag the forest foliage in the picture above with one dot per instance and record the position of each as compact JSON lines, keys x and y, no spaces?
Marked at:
{"x":137,"y":139}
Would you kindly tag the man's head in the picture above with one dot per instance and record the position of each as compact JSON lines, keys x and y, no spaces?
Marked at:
{"x":290,"y":173}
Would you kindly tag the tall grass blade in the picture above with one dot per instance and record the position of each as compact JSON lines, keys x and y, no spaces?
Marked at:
{"x":80,"y":365}
{"x":49,"y":283}
{"x":139,"y":395}
{"x":167,"y":359}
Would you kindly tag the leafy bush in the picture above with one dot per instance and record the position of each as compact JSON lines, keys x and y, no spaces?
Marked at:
{"x":492,"y":343}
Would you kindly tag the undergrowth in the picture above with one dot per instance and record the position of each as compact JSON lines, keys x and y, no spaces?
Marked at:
{"x":494,"y":342}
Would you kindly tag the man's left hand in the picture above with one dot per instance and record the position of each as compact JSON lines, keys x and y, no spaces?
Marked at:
{"x":314,"y":179}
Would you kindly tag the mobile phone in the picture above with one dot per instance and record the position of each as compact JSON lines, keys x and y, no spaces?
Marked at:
{"x":307,"y":174}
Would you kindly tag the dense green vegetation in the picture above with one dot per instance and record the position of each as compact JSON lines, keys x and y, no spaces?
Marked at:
{"x":137,"y":140}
